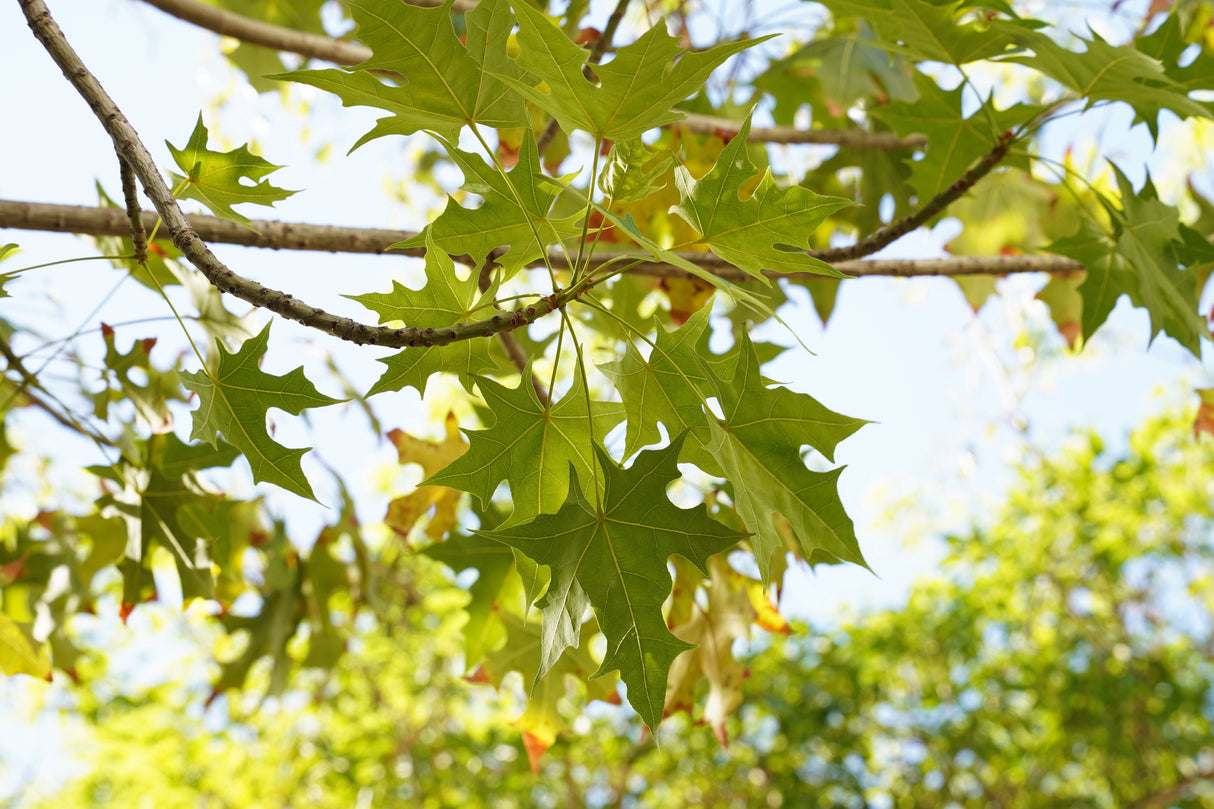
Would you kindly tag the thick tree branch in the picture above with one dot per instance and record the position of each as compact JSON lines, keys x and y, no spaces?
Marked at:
{"x":341,"y":52}
{"x":127,"y":142}
{"x":276,"y":235}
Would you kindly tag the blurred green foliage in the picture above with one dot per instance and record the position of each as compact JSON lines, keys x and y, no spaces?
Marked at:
{"x":1064,"y":656}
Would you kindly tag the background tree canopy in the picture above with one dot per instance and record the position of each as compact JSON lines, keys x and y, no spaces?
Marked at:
{"x":614,"y":489}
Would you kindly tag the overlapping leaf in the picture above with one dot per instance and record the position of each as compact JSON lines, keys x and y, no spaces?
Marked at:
{"x":783,"y":503}
{"x":234,"y":398}
{"x":406,"y":511}
{"x":1105,"y":72}
{"x":153,"y":498}
{"x":766,"y":231}
{"x":1138,"y":258}
{"x":954,"y":141}
{"x":444,"y":301}
{"x":542,"y":720}
{"x":531,"y":446}
{"x":634,"y":92}
{"x":441,"y":83}
{"x":726,"y":616}
{"x":515,"y":213}
{"x":616,"y":554}
{"x":667,"y":387}
{"x":220,"y":180}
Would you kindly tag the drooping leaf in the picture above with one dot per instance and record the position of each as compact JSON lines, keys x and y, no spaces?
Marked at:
{"x":220,"y":180}
{"x":543,"y":720}
{"x":713,"y":627}
{"x":617,"y":554}
{"x":444,"y":301}
{"x":765,"y":231}
{"x":531,"y":446}
{"x":634,"y":92}
{"x":234,"y":397}
{"x":757,"y":443}
{"x":439,"y":84}
{"x":404,"y":512}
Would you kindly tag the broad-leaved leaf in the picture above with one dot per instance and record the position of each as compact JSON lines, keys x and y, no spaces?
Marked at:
{"x":444,"y":301}
{"x":531,"y":446}
{"x":766,"y":231}
{"x":514,"y":213}
{"x":634,"y":92}
{"x":440,"y":82}
{"x":220,"y":180}
{"x":233,"y":399}
{"x":757,"y":445}
{"x":617,"y":554}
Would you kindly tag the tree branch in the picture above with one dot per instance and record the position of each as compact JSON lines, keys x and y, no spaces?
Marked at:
{"x":341,"y":52}
{"x":896,"y":230}
{"x":127,"y":142}
{"x":277,"y":235}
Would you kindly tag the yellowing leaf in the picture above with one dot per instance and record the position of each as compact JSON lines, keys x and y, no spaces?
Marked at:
{"x":713,"y":628}
{"x":19,"y":653}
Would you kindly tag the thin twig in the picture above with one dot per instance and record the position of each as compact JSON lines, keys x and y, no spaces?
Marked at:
{"x":130,"y":196}
{"x":131,"y":147}
{"x":276,"y":37}
{"x":28,"y":381}
{"x":275,"y":235}
{"x":883,"y":238}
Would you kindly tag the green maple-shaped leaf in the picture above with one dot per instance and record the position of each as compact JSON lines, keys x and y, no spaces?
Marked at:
{"x":833,"y":73}
{"x":494,"y":564}
{"x":929,"y":31}
{"x":668,"y":387}
{"x":636,"y":91}
{"x":444,"y":301}
{"x":138,"y":381}
{"x":514,"y":213}
{"x":442,"y":85}
{"x":220,"y":180}
{"x":783,"y":503}
{"x":1168,"y":44}
{"x":617,"y":555}
{"x":233,"y":399}
{"x":1140,"y":259}
{"x":20,"y":653}
{"x":531,"y":446}
{"x":954,"y":141}
{"x":154,"y":500}
{"x":766,"y":231}
{"x":1105,"y":72}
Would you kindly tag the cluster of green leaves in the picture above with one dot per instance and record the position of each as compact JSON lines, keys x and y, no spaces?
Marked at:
{"x":1039,"y":669}
{"x":576,"y":534}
